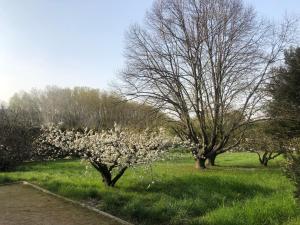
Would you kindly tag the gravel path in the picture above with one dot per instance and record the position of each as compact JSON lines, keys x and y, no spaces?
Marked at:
{"x":24,"y":205}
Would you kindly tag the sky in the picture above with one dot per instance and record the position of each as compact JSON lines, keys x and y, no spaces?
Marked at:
{"x":76,"y":42}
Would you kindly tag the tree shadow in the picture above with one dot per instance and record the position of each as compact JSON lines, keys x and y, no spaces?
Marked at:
{"x":206,"y":187}
{"x":241,"y":166}
{"x":172,"y":201}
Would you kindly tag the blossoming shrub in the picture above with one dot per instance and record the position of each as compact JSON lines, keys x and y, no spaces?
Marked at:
{"x":111,"y":152}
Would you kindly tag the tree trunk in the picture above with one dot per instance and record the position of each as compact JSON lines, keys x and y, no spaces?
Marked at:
{"x":211,"y":159}
{"x":106,"y":178}
{"x":106,"y":173}
{"x":264,"y":160}
{"x":200,"y":163}
{"x":118,"y":176}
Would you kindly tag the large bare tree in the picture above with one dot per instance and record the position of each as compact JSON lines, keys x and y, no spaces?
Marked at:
{"x":200,"y":61}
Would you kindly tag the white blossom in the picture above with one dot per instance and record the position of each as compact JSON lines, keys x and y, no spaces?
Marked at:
{"x":117,"y":147}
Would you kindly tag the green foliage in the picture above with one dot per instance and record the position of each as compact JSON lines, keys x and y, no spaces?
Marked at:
{"x":293,"y":166}
{"x":294,"y":171}
{"x":284,"y":90}
{"x":237,"y":191}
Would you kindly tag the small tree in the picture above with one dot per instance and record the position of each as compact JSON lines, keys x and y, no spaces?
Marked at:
{"x":109,"y":152}
{"x":265,"y":145}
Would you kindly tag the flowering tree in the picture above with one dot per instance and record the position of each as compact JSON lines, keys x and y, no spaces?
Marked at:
{"x":110,"y":152}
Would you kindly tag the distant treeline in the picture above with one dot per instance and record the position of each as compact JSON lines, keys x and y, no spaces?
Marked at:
{"x":82,"y":107}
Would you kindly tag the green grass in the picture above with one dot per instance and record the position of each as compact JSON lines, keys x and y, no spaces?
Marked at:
{"x":237,"y":191}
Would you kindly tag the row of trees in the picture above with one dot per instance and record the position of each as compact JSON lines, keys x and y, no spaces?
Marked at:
{"x":82,"y":107}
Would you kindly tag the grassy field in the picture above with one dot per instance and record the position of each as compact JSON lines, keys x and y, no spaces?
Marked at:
{"x":235,"y":192}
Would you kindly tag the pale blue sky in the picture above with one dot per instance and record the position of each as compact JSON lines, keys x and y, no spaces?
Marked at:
{"x":76,"y":42}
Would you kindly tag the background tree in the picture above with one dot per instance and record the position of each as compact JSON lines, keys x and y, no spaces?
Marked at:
{"x":16,"y":138}
{"x":82,"y":107}
{"x":284,"y":108}
{"x":265,"y":144}
{"x":199,"y":60}
{"x":28,"y":103}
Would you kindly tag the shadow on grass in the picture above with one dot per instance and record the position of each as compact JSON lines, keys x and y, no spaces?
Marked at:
{"x":249,"y":167}
{"x":6,"y":179}
{"x":173,"y":201}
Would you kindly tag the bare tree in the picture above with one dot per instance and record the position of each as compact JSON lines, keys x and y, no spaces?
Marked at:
{"x":200,"y":60}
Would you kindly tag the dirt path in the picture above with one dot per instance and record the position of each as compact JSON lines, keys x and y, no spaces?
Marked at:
{"x":24,"y":205}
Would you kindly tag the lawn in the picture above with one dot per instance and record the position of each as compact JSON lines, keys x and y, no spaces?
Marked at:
{"x":236,"y":191}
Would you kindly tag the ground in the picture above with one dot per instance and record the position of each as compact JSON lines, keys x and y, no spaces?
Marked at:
{"x":23,"y":205}
{"x":237,"y":191}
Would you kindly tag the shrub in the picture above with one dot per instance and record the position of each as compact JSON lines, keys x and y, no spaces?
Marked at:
{"x":293,"y":169}
{"x":293,"y":163}
{"x":16,"y":138}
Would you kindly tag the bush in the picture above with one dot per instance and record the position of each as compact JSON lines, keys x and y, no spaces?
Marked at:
{"x":293,"y":170}
{"x":293,"y":163}
{"x":16,"y":138}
